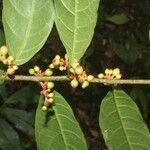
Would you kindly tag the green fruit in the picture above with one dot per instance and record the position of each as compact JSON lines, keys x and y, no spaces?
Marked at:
{"x":74,"y":83}
{"x":85,"y":84}
{"x":31,"y":71}
{"x":78,"y":70}
{"x":50,"y":85}
{"x":51,"y":95}
{"x":11,"y":58}
{"x":116,"y":71}
{"x":100,"y":76}
{"x":48,"y":72}
{"x":90,"y":77}
{"x":44,"y":108}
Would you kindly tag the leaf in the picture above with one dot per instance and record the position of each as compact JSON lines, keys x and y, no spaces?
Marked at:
{"x":2,"y":38}
{"x":24,"y":96}
{"x":128,"y":52}
{"x":8,"y":137}
{"x":2,"y":72}
{"x":59,"y":130}
{"x":75,"y":22}
{"x":27,"y":24}
{"x":121,"y":123}
{"x":118,"y":19}
{"x":20,"y":118}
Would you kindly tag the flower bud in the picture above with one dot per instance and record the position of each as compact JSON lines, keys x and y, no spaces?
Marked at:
{"x":51,"y":66}
{"x":44,"y":108}
{"x":61,"y":68}
{"x":85,"y":84}
{"x":72,"y":70}
{"x":3,"y":50}
{"x":15,"y":67}
{"x":50,"y":85}
{"x":106,"y":71}
{"x":5,"y":61}
{"x":50,"y":100}
{"x":118,"y":76}
{"x":48,"y":72}
{"x":36,"y":68}
{"x":74,"y":83}
{"x":31,"y":71}
{"x":56,"y":62}
{"x":10,"y":71}
{"x":100,"y":76}
{"x":51,"y":95}
{"x":90,"y":77}
{"x":57,"y":57}
{"x":79,"y":70}
{"x":116,"y":71}
{"x":110,"y":71}
{"x":11,"y":58}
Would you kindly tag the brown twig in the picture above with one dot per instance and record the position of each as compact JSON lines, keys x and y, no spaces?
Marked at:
{"x":65,"y":78}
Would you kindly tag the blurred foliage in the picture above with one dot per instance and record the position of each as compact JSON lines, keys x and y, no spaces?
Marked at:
{"x":121,"y":40}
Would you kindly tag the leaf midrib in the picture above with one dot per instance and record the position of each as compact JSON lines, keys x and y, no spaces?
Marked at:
{"x":121,"y":120}
{"x":28,"y":29}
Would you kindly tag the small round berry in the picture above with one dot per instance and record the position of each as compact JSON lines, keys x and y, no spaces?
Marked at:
{"x":51,"y":95}
{"x":31,"y":71}
{"x":44,"y":108}
{"x":48,"y":72}
{"x":5,"y":61}
{"x":116,"y":71}
{"x":106,"y":71}
{"x":50,"y":85}
{"x":10,"y":71}
{"x":79,"y":70}
{"x":118,"y":76}
{"x":90,"y":77}
{"x":100,"y":76}
{"x":11,"y":58}
{"x":74,"y":65}
{"x":61,"y":68}
{"x":51,"y":66}
{"x":56,"y":62}
{"x":15,"y":67}
{"x":110,"y":72}
{"x":4,"y":50}
{"x":74,"y":83}
{"x":36,"y":68}
{"x":85,"y":84}
{"x":46,"y":102}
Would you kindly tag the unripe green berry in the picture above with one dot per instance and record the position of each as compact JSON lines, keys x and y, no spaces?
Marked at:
{"x":85,"y":84}
{"x":74,"y":65}
{"x":5,"y":61}
{"x":74,"y":83}
{"x":50,"y":85}
{"x":72,"y":70}
{"x":61,"y":68}
{"x":110,"y":71}
{"x":79,"y":70}
{"x":56,"y":62}
{"x":10,"y":71}
{"x":90,"y":77}
{"x":44,"y":108}
{"x":15,"y":67}
{"x":46,"y":102}
{"x":100,"y":76}
{"x":3,"y":50}
{"x":11,"y":58}
{"x":57,"y":57}
{"x":36,"y":68}
{"x":116,"y":71}
{"x":51,"y":95}
{"x":118,"y":76}
{"x":31,"y":71}
{"x":48,"y":72}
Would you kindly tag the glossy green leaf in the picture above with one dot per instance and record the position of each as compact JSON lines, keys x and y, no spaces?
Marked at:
{"x":58,"y":130}
{"x":75,"y":21}
{"x":22,"y":120}
{"x":27,"y":24}
{"x":121,"y":123}
{"x":8,"y":137}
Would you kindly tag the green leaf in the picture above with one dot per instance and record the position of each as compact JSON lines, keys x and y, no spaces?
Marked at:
{"x":118,"y":19}
{"x":59,"y":130}
{"x":121,"y":123}
{"x":8,"y":137}
{"x":2,"y":38}
{"x":75,"y":21}
{"x":27,"y":24}
{"x":21,"y":119}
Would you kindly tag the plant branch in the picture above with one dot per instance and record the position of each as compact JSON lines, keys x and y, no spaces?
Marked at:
{"x":65,"y":78}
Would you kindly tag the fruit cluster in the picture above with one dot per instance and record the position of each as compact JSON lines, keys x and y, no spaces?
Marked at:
{"x":59,"y":63}
{"x":78,"y":75}
{"x":8,"y":60}
{"x":110,"y":74}
{"x":46,"y":86}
